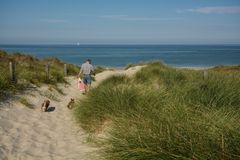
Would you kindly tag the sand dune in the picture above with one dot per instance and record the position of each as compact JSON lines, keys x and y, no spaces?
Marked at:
{"x":29,"y":134}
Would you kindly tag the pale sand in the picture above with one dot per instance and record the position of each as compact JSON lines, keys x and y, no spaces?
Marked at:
{"x":194,"y":68}
{"x":29,"y":134}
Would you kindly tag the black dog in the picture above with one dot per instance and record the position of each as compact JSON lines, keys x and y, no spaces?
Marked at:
{"x":70,"y":104}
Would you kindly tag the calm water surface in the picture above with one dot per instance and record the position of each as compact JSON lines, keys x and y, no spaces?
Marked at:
{"x":121,"y":55}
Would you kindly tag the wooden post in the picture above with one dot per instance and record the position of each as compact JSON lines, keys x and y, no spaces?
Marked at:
{"x":47,"y":71}
{"x":205,"y":74}
{"x":65,"y":69}
{"x":12,"y":69}
{"x":223,"y":148}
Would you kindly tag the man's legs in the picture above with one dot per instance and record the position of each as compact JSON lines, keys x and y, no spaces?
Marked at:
{"x":87,"y":82}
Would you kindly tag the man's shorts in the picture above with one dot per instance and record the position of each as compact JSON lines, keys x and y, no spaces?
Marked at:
{"x":87,"y":79}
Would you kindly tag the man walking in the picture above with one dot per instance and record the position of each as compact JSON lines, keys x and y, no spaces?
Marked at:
{"x":85,"y":72}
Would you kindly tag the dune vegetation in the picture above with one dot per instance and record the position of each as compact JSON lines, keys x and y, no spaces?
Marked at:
{"x":166,"y":113}
{"x":30,"y":70}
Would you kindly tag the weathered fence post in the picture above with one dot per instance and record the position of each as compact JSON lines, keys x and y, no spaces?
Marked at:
{"x":205,"y":74}
{"x":65,"y":69}
{"x":12,"y":69}
{"x":47,"y":71}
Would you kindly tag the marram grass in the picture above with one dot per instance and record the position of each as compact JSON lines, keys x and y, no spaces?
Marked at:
{"x":164,"y":113}
{"x":30,"y":70}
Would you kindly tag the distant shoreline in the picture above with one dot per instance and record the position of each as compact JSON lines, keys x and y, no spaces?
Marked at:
{"x":182,"y":67}
{"x":196,"y":68}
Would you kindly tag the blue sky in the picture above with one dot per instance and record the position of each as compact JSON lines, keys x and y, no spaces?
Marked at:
{"x":120,"y":21}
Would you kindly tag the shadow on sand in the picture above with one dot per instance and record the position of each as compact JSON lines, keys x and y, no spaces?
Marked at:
{"x":51,"y":109}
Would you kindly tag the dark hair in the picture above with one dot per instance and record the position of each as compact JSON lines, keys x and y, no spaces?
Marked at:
{"x":89,"y":60}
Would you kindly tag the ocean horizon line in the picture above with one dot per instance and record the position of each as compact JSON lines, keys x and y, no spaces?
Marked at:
{"x":121,"y":44}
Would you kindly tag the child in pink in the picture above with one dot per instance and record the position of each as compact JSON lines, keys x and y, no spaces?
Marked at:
{"x":81,"y":85}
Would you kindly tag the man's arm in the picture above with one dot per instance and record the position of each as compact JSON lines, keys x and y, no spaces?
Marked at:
{"x":92,"y":70}
{"x":80,"y":72}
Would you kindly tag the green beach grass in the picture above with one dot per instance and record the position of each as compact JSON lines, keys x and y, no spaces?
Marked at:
{"x":166,"y":113}
{"x":30,"y":70}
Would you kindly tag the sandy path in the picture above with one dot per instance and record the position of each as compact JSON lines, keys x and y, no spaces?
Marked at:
{"x":28,"y":134}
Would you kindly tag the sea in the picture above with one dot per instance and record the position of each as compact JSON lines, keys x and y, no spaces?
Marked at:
{"x":122,"y":55}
